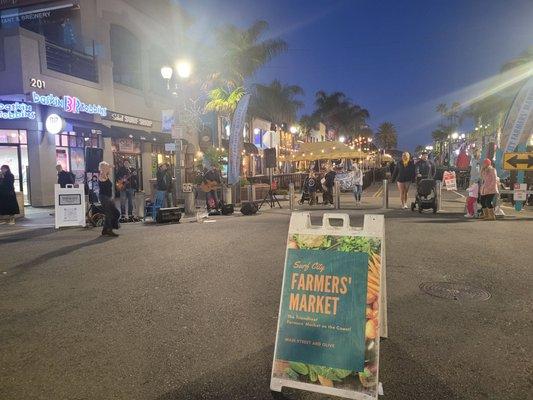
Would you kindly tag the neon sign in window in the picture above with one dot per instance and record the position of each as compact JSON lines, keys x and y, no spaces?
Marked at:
{"x":69,"y":104}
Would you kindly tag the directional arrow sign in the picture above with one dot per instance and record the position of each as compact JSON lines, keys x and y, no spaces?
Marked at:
{"x":518,"y":161}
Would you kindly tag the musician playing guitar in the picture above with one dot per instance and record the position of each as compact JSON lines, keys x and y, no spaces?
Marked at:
{"x":210,"y":183}
{"x":126,"y":185}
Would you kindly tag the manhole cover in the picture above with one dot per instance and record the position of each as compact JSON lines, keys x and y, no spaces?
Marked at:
{"x":454,"y":291}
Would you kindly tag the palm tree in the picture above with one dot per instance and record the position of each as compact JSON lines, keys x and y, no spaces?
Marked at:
{"x":224,"y":102}
{"x":387,"y":136}
{"x":276,"y":102}
{"x":339,"y":113}
{"x":307,"y":124}
{"x":239,"y":53}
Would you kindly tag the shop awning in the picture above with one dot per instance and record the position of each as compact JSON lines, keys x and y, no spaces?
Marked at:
{"x":249,"y":148}
{"x":76,"y":125}
{"x":323,"y":151}
{"x":121,"y":132}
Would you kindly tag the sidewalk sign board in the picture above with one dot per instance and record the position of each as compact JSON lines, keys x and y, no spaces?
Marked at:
{"x":69,"y":206}
{"x":333,"y":307}
{"x":449,"y":180}
{"x":520,"y":192}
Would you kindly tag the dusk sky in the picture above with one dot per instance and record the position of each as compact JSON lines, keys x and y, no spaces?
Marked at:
{"x":398,"y":59}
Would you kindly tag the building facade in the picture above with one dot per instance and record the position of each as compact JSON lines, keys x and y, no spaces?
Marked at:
{"x":80,"y":75}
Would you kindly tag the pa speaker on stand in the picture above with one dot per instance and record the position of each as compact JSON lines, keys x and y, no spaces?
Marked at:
{"x":93,"y":157}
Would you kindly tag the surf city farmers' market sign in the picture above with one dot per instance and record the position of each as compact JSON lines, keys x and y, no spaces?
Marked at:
{"x":16,"y":111}
{"x":69,"y":104}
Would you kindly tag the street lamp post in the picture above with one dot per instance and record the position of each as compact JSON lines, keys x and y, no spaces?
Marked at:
{"x":184,"y":70}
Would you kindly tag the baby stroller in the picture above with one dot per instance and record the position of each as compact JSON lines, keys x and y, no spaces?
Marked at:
{"x":426,"y":196}
{"x":308,"y":194}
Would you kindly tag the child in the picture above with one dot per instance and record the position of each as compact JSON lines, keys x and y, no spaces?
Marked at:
{"x":471,"y":201}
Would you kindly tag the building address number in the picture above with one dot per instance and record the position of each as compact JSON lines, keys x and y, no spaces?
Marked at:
{"x":37,"y":83}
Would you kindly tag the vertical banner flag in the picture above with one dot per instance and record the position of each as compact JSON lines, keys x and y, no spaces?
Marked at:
{"x":520,"y":117}
{"x":237,"y":125}
{"x":332,"y":308}
{"x":167,"y":120}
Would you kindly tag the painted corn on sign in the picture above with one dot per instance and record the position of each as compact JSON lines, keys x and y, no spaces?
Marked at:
{"x":329,"y":320}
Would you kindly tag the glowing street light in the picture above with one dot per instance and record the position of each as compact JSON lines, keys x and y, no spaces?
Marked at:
{"x":166,"y":73}
{"x":455,"y":136}
{"x":293,"y":129}
{"x":184,"y":68}
{"x":342,"y":139}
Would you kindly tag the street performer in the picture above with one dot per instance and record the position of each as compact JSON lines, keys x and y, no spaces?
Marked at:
{"x":127,"y":185}
{"x":211,"y":179}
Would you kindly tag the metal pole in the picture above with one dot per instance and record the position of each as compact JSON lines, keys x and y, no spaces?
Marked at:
{"x":177,"y":170}
{"x":385,"y":194}
{"x":439,"y":195}
{"x":291,"y":196}
{"x":337,"y":193}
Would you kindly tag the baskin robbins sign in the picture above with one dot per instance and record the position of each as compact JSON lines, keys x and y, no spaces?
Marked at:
{"x":69,"y":104}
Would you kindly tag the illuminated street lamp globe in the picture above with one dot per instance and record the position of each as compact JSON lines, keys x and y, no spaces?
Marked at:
{"x":293,"y":129}
{"x":166,"y":72}
{"x":184,"y":68}
{"x":342,"y":139}
{"x":455,"y":136}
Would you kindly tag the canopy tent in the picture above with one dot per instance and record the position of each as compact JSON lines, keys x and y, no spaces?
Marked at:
{"x":323,"y":151}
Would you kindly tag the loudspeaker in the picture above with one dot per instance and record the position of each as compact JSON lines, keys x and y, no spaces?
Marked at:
{"x":227,"y":209}
{"x":170,"y":214}
{"x":270,"y":158}
{"x":93,"y":157}
{"x":249,"y":208}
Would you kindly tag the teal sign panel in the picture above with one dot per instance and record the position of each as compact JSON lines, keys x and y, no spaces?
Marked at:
{"x":323,"y":309}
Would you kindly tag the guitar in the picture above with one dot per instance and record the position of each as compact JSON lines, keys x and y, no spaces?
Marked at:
{"x":208,"y":186}
{"x":120,"y":184}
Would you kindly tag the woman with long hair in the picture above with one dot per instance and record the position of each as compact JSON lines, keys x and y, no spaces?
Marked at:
{"x":488,"y":190}
{"x":106,"y":199}
{"x":404,"y":174}
{"x":357,"y":179}
{"x":8,"y":199}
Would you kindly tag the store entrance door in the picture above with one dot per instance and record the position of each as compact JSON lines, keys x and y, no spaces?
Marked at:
{"x":10,"y":156}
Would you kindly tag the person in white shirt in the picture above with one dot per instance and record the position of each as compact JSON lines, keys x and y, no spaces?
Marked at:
{"x":357,"y":179}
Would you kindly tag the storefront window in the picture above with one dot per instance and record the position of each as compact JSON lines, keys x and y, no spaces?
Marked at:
{"x":14,"y":152}
{"x":70,"y":151}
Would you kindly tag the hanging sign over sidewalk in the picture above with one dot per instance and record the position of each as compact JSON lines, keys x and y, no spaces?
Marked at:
{"x":331,"y":308}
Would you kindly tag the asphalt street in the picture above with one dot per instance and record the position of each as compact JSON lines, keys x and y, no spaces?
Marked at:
{"x":189,"y":311}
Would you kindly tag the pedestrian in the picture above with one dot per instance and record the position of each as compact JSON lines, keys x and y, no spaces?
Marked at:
{"x":8,"y":199}
{"x":329,"y":182}
{"x":488,"y":190}
{"x":475,"y":166}
{"x":64,"y":178}
{"x":357,"y":180}
{"x":404,"y":174}
{"x":211,"y":180}
{"x":163,"y":187}
{"x":471,"y":200}
{"x":424,"y":167}
{"x":106,"y":200}
{"x":127,"y":185}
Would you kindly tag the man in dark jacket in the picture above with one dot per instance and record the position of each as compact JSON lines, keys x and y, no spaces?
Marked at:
{"x":328,"y":185}
{"x":164,"y":186}
{"x":64,"y":178}
{"x":129,"y":184}
{"x":424,"y":168}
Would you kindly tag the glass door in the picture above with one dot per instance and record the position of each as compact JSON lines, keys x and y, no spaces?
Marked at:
{"x":10,"y":155}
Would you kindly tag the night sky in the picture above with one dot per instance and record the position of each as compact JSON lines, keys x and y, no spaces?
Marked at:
{"x":398,"y":59}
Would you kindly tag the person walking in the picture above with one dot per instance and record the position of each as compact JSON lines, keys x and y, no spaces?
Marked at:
{"x":424,"y":167}
{"x":106,"y":200}
{"x":329,"y":182}
{"x":404,"y":174}
{"x":357,"y":180}
{"x":8,"y":199}
{"x":489,"y":189}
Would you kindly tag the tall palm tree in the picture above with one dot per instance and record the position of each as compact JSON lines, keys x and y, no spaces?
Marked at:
{"x":223,"y":101}
{"x":239,"y":53}
{"x":339,"y":113}
{"x":307,"y":124}
{"x":276,"y":102}
{"x":387,"y":136}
